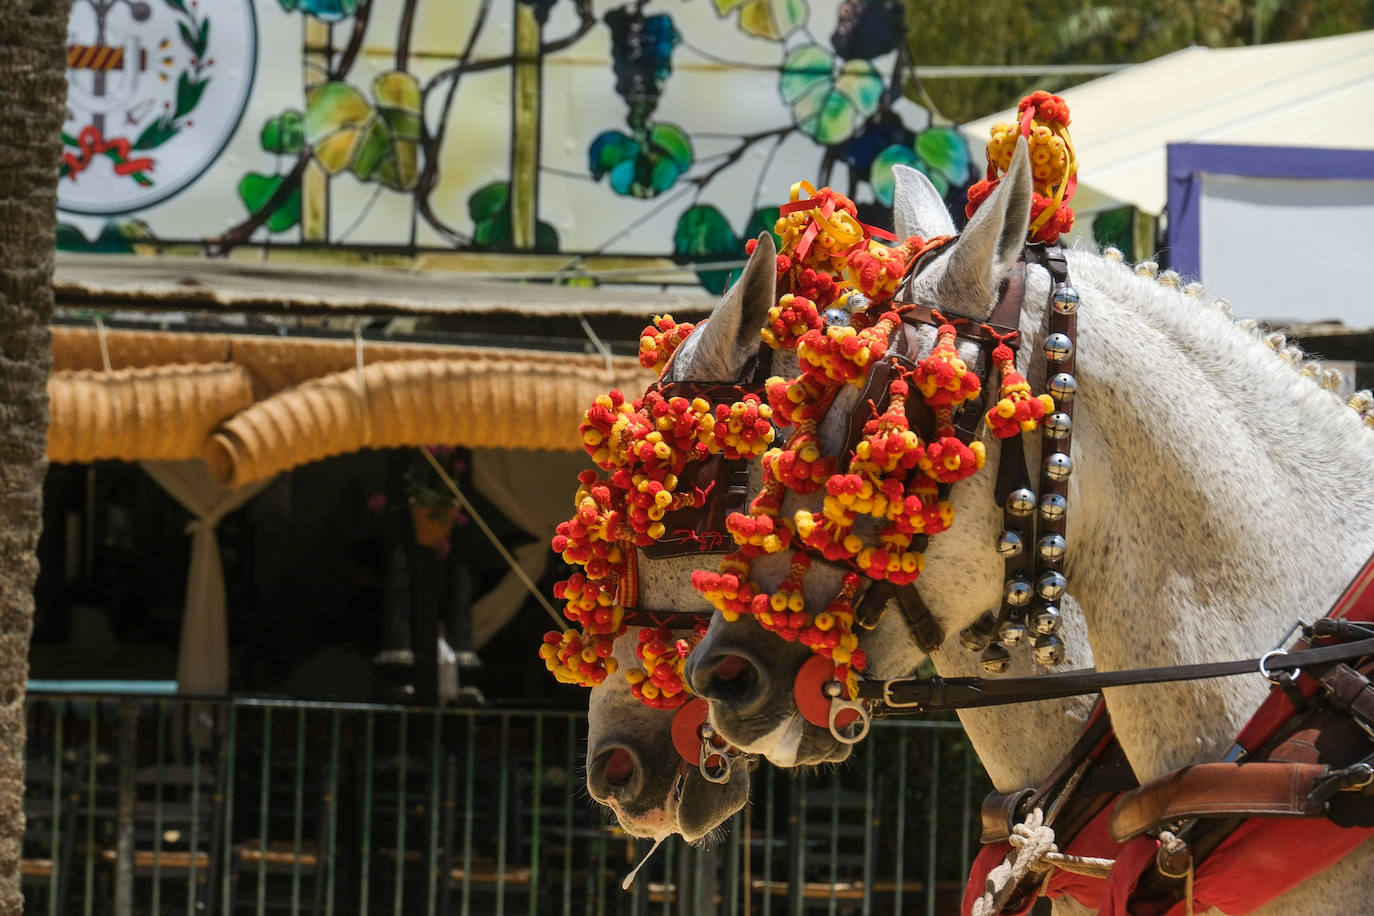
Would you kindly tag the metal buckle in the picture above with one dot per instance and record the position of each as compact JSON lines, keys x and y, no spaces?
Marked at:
{"x":1279,"y":678}
{"x":891,"y":701}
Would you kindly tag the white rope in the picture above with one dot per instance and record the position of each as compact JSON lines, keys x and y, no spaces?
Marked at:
{"x":104,"y":344}
{"x":491,"y":536}
{"x":1033,"y":851}
{"x":600,"y":345}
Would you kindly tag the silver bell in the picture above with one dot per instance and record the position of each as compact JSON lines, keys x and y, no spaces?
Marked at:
{"x":1066,"y":300}
{"x":1057,"y":425}
{"x":1020,"y":502}
{"x":974,"y":639}
{"x":1009,"y":543}
{"x":1053,"y":507}
{"x":857,"y":302}
{"x":1051,"y":547}
{"x":1011,"y":633}
{"x":1058,"y":346}
{"x":1052,"y":585}
{"x":1049,"y":651}
{"x":1017,"y":592}
{"x":1058,"y":466}
{"x":1045,"y":621}
{"x":1063,"y":386}
{"x":996,"y":659}
{"x":836,"y":318}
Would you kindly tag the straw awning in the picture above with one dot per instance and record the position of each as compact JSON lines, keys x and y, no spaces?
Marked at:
{"x":254,"y":405}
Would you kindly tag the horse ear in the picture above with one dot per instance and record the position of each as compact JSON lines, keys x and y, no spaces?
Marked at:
{"x":991,"y":242}
{"x":730,"y":336}
{"x":917,"y":208}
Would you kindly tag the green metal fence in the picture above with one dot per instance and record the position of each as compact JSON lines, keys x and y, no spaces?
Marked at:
{"x":236,"y":806}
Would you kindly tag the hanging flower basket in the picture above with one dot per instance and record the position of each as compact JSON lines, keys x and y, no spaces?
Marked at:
{"x":433,"y":524}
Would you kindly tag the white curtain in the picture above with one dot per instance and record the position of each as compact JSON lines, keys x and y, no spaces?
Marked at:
{"x":535,"y":490}
{"x":203,"y":657}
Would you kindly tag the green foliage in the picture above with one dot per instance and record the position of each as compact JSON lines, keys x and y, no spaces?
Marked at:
{"x":763,"y":220}
{"x":772,"y":20}
{"x":1016,"y":32}
{"x":256,"y":192}
{"x":1115,"y":228}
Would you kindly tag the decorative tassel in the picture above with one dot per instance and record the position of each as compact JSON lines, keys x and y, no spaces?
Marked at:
{"x":943,"y":377}
{"x":784,"y":612}
{"x":947,"y":459}
{"x":1016,"y":410}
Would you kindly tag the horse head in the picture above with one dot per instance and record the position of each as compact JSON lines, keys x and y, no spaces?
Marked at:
{"x":749,"y":675}
{"x":638,"y":764}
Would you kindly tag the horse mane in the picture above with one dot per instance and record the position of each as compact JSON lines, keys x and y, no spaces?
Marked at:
{"x":1183,"y":313}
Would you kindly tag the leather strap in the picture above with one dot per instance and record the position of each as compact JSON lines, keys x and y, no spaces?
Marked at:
{"x":1253,"y":789}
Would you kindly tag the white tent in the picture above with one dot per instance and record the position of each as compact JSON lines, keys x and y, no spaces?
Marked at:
{"x":1316,"y":92}
{"x":1268,"y":142}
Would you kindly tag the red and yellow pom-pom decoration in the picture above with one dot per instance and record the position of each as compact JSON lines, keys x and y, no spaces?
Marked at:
{"x":826,"y":255}
{"x":660,"y":340}
{"x":1016,"y":410}
{"x":1043,"y":119}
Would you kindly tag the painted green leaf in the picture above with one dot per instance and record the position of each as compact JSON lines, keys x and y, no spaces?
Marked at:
{"x":256,"y":191}
{"x":770,"y":19}
{"x":284,"y":134}
{"x":945,"y":151}
{"x":335,"y":114}
{"x":155,"y":134}
{"x":808,"y":69}
{"x":703,"y":234}
{"x":487,"y":201}
{"x":188,"y":94}
{"x":389,"y":148}
{"x":624,"y":176}
{"x":674,"y":143}
{"x":880,"y":174}
{"x":861,"y":84}
{"x":825,"y":106}
{"x":608,"y":150}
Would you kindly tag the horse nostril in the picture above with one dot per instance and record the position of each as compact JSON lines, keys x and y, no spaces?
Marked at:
{"x":620,"y":767}
{"x":614,"y":771}
{"x":733,"y":680}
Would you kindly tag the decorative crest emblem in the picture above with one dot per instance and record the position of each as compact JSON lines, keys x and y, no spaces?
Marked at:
{"x":155,"y":90}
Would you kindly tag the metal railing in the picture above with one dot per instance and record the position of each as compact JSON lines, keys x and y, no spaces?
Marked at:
{"x":235,"y":806}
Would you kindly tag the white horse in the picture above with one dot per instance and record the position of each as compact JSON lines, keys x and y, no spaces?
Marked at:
{"x":1217,"y":495}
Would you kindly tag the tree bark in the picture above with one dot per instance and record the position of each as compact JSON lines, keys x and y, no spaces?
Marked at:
{"x":33,"y":89}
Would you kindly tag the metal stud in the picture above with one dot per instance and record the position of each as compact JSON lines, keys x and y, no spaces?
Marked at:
{"x":1020,"y":502}
{"x":857,"y":302}
{"x":1009,"y":543}
{"x":1057,"y":425}
{"x":974,"y":639}
{"x":1058,"y":346}
{"x":1011,"y":633}
{"x":1066,"y":300}
{"x":1045,"y":620}
{"x":832,"y":689}
{"x":705,"y":732}
{"x":1053,"y":507}
{"x":1017,"y":592}
{"x":1049,"y":651}
{"x":837,"y":318}
{"x":1058,"y":467}
{"x":1051,"y":547}
{"x":1063,"y":386}
{"x":1052,"y":585}
{"x":996,"y":659}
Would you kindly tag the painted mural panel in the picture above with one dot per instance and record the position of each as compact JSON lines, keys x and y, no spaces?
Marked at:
{"x":555,"y":128}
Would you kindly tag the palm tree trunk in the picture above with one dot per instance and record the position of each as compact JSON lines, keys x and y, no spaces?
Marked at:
{"x":33,"y":90}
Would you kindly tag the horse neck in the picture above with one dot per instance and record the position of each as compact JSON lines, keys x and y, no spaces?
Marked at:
{"x":1217,"y":495}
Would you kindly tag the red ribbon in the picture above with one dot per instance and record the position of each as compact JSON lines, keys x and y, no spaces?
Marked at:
{"x":813,"y":228}
{"x":93,"y":143}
